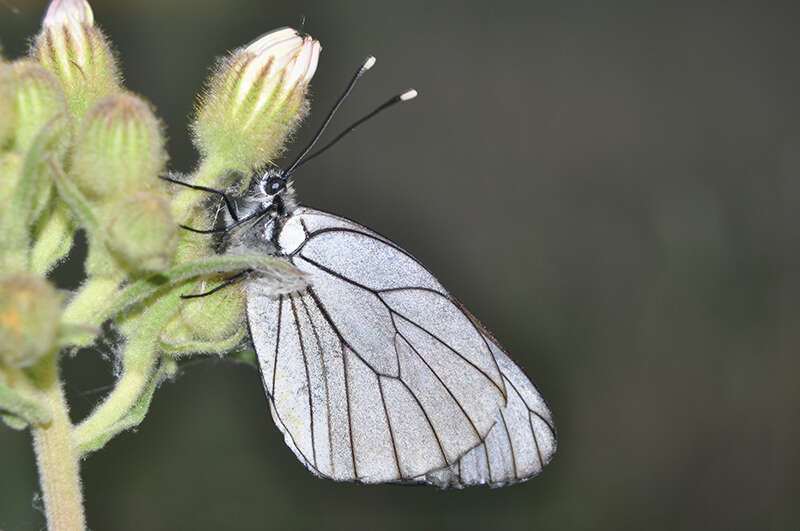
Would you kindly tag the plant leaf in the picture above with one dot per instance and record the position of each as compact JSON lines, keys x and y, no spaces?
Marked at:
{"x":142,"y":289}
{"x":200,"y":347}
{"x":13,"y":421}
{"x":130,"y":419}
{"x":75,"y":199}
{"x":17,"y":220}
{"x":21,"y":409}
{"x":70,"y":334}
{"x":53,"y":236}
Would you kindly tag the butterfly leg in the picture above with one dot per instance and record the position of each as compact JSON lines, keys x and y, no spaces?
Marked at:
{"x":234,"y":279}
{"x":228,"y":203}
{"x":255,"y":215}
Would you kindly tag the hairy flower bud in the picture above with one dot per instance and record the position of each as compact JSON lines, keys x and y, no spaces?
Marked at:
{"x":120,"y":148}
{"x":30,"y":312}
{"x":75,"y":50}
{"x":142,"y":231}
{"x":255,"y":99}
{"x":43,"y":122}
{"x":213,"y":320}
{"x":38,"y":102}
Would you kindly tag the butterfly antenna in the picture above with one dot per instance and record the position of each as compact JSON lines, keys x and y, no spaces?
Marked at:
{"x":405,"y":96}
{"x":369,"y":62}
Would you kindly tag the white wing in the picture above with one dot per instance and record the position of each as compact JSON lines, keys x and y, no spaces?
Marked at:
{"x":375,"y":373}
{"x":519,"y":445}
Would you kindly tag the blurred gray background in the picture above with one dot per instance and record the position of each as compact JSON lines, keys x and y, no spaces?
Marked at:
{"x":612,"y":189}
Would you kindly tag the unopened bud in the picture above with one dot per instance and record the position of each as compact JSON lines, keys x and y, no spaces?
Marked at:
{"x":120,"y":148}
{"x":142,"y":231}
{"x":213,"y":319}
{"x":30,"y":312}
{"x":39,"y":103}
{"x":256,"y":98}
{"x":42,"y":119}
{"x":75,"y":50}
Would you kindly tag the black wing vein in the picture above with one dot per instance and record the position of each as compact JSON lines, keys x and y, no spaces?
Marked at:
{"x":277,"y":416}
{"x":427,"y":419}
{"x":535,"y":440}
{"x":418,"y":325}
{"x":308,"y":378}
{"x":510,"y":444}
{"x":391,"y":430}
{"x":277,"y":342}
{"x":324,"y":368}
{"x":326,"y":315}
{"x":441,"y":366}
{"x":446,"y":387}
{"x":349,"y":408}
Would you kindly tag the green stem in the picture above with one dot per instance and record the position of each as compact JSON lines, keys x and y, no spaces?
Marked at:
{"x":19,"y":397}
{"x":138,"y":291}
{"x":57,"y":460}
{"x":90,"y":300}
{"x":126,"y":392}
{"x":139,"y":361}
{"x":199,"y":347}
{"x":209,"y":174}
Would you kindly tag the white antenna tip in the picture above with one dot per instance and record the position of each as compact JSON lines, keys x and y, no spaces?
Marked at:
{"x":369,"y":63}
{"x":408,"y":95}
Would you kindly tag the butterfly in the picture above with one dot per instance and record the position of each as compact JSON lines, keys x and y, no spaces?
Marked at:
{"x":374,"y":372}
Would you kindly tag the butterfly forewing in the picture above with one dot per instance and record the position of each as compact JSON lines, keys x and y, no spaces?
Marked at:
{"x":376,"y":374}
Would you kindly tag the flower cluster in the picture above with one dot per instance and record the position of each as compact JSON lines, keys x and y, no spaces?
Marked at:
{"x":79,"y":151}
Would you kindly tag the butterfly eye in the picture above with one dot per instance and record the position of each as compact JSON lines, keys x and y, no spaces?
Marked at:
{"x":274,"y":185}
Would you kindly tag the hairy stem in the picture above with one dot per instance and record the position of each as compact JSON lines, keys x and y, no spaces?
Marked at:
{"x":209,"y":174}
{"x":56,"y":457}
{"x":128,"y":389}
{"x":89,"y":301}
{"x":139,"y":362}
{"x":20,"y":397}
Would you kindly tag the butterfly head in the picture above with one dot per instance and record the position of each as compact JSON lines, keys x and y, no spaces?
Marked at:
{"x":276,"y":191}
{"x":272,"y":183}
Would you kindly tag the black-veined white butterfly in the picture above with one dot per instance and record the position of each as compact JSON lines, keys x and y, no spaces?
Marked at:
{"x":373,"y":371}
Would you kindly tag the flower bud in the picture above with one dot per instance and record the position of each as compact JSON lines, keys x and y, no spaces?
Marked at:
{"x":30,"y":312}
{"x":8,"y":115}
{"x":75,"y":50}
{"x":142,"y":231}
{"x":120,"y":148}
{"x":39,"y":102}
{"x":41,"y":118}
{"x":255,"y":99}
{"x":214,"y":319}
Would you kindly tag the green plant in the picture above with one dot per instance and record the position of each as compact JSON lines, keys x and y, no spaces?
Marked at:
{"x":78,"y":151}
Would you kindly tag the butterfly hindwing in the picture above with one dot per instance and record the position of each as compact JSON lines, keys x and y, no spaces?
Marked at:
{"x":374,"y":372}
{"x":518,"y":447}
